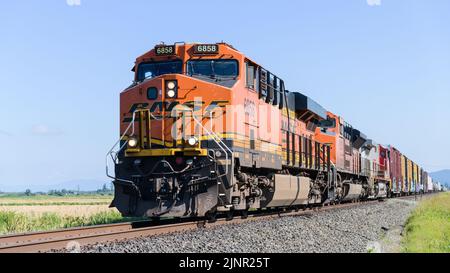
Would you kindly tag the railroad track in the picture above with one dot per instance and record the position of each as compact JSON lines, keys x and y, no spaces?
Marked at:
{"x":77,"y":237}
{"x":73,"y":237}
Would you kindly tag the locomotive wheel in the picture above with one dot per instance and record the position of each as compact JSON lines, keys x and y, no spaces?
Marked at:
{"x":230,"y":215}
{"x":211,"y":217}
{"x":244,"y":214}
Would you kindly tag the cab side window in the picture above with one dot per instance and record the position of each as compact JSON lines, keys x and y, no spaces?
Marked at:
{"x":250,"y":75}
{"x":152,"y":93}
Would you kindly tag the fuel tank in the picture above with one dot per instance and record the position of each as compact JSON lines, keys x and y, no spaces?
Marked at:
{"x":352,"y":191}
{"x":288,"y":191}
{"x":381,"y":190}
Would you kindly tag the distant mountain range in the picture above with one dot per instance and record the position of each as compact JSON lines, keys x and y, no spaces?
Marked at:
{"x":442,"y":176}
{"x":82,"y":185}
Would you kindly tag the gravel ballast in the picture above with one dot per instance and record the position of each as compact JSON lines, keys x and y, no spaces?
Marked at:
{"x":354,"y":230}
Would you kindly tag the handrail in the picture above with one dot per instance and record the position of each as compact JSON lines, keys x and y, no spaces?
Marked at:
{"x":114,"y":154}
{"x":219,"y":143}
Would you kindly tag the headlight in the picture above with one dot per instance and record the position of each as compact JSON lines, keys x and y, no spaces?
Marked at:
{"x":132,"y":143}
{"x":171,"y":89}
{"x":192,"y":141}
{"x":171,"y":85}
{"x":171,"y":93}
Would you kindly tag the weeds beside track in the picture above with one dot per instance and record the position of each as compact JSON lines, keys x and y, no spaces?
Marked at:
{"x":428,"y":228}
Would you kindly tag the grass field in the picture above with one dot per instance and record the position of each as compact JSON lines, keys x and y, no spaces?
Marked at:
{"x":428,"y":228}
{"x":45,"y":200}
{"x":40,"y":213}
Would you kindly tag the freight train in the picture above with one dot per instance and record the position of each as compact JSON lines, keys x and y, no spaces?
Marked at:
{"x":205,"y":130}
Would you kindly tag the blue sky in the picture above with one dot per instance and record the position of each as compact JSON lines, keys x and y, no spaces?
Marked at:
{"x":383,"y":65}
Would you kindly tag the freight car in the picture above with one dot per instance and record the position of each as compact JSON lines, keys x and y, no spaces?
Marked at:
{"x":395,"y":163}
{"x":429,"y":184}
{"x":204,"y":130}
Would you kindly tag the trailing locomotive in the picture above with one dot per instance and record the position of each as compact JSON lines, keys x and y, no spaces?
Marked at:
{"x":205,"y":130}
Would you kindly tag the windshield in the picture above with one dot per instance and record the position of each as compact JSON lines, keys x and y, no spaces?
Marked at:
{"x":155,"y":69}
{"x":213,"y":68}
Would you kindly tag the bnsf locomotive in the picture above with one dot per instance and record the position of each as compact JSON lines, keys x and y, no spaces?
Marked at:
{"x":206,"y":130}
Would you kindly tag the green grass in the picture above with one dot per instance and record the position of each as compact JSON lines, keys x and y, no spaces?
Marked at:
{"x":45,"y":197}
{"x":47,"y":200}
{"x":428,"y":228}
{"x":14,"y":222}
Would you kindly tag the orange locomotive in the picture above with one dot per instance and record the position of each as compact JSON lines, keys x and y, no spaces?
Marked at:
{"x":206,"y":130}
